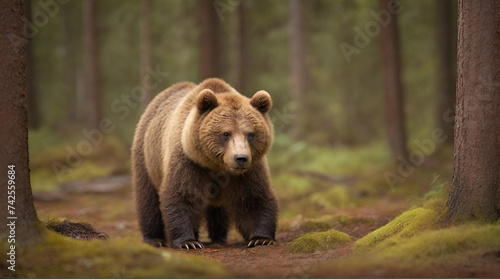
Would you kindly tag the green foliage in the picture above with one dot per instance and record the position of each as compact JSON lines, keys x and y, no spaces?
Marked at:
{"x":41,"y":139}
{"x":310,"y":178}
{"x":58,"y":256}
{"x":289,"y":185}
{"x":53,"y":161}
{"x":291,"y":155}
{"x":335,"y":197}
{"x":311,"y":242}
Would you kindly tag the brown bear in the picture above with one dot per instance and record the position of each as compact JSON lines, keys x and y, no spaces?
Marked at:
{"x":199,"y":156}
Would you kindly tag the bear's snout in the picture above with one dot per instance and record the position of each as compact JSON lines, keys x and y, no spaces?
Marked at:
{"x":238,"y":158}
{"x":241,"y":159}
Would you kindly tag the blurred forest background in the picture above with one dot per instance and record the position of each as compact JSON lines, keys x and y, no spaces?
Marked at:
{"x":99,"y":62}
{"x":364,"y":104}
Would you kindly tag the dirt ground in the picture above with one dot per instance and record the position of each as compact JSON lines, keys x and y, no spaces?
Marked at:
{"x":114,"y":214}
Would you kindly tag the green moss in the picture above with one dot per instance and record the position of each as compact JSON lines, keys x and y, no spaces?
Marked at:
{"x":432,"y":248}
{"x":58,"y":256}
{"x":311,"y":242}
{"x":323,"y":223}
{"x":327,"y":222}
{"x":436,"y":198}
{"x":406,"y":225}
{"x":415,"y":241}
{"x":445,"y":245}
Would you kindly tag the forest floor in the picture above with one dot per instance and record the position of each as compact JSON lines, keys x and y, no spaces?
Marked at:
{"x":114,"y":213}
{"x":391,"y":230}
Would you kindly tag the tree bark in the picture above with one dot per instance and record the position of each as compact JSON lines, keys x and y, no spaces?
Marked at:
{"x":446,"y":106}
{"x":393,"y":96}
{"x":91,"y":35}
{"x":475,"y":189}
{"x":242,"y":51}
{"x":14,"y":128}
{"x":299,"y":74}
{"x":145,"y":50}
{"x":31,"y":92}
{"x":209,"y":51}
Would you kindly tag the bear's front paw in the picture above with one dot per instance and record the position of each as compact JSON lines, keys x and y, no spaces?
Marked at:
{"x":260,"y":241}
{"x":191,"y":244}
{"x":156,"y":242}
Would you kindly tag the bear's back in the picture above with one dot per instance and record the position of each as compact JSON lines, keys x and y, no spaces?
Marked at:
{"x":157,"y":118}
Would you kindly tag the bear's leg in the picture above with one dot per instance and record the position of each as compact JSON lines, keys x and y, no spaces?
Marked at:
{"x":256,"y":209}
{"x":182,"y":221}
{"x":256,"y":220}
{"x":148,"y":210}
{"x":217,"y":224}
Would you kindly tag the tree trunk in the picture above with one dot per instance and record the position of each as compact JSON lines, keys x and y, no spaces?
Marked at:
{"x":209,"y":56}
{"x":475,"y":189}
{"x":92,"y":84}
{"x":33,"y":112}
{"x":393,"y":96}
{"x":242,"y":51}
{"x":14,"y":159}
{"x":446,"y":105}
{"x":69,"y":37}
{"x":145,"y":50}
{"x":299,"y":74}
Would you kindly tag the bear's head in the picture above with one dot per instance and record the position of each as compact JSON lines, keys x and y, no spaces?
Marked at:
{"x":228,"y":131}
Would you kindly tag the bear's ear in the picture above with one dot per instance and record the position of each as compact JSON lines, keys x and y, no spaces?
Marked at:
{"x":206,"y":101}
{"x":261,"y":101}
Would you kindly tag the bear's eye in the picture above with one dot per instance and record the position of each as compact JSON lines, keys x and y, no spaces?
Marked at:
{"x":226,"y":135}
{"x":251,"y":136}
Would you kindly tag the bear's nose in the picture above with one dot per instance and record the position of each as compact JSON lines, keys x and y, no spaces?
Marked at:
{"x":241,"y":159}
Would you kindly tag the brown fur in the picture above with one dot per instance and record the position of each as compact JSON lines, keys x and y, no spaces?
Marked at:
{"x":199,"y":155}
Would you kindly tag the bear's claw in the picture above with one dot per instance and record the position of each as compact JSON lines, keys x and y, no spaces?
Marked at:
{"x":191,"y":244}
{"x":260,"y":241}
